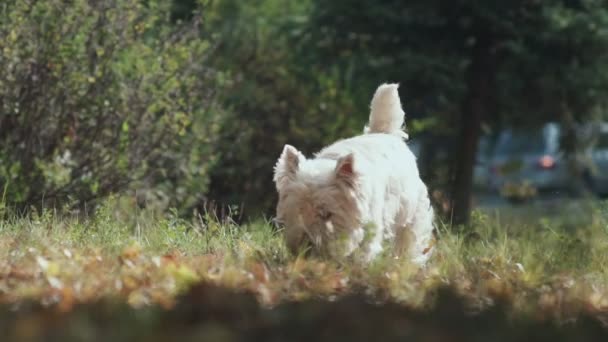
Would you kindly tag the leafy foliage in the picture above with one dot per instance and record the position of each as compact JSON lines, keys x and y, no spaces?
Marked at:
{"x":543,"y":51}
{"x":103,"y":96}
{"x":272,"y":100}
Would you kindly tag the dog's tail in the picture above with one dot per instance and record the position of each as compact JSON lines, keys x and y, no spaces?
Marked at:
{"x":386,"y":114}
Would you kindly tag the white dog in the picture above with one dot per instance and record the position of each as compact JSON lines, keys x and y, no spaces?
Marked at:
{"x":358,"y":193}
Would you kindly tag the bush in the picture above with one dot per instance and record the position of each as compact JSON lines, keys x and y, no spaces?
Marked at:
{"x":102,"y":96}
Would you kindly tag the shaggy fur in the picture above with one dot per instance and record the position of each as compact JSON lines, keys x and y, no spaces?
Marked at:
{"x":358,"y":193}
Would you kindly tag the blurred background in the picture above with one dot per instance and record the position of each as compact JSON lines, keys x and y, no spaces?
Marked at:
{"x":187,"y":104}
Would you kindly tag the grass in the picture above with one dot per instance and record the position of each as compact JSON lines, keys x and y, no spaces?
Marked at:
{"x":553,"y":265}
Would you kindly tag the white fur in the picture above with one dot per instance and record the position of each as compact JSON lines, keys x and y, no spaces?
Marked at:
{"x":386,"y":115}
{"x":365,"y":185}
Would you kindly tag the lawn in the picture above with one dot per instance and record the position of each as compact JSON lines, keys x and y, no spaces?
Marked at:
{"x":136,"y":268}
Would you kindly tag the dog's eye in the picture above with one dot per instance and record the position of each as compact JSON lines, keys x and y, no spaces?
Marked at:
{"x":324,"y":215}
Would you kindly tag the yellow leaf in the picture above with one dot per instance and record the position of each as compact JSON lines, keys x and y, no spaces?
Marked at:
{"x":183,"y":276}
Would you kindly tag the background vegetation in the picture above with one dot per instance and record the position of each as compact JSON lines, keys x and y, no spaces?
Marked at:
{"x":187,"y":104}
{"x":101,"y":97}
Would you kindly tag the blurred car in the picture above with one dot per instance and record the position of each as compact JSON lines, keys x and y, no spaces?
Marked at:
{"x":530,"y":161}
{"x":529,"y":157}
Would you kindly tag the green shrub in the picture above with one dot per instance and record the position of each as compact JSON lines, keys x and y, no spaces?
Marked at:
{"x":102,"y":96}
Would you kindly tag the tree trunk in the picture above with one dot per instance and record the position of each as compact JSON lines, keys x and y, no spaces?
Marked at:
{"x":480,"y":83}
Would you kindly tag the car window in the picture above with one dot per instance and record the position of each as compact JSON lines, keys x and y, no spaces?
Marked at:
{"x":529,"y":141}
{"x":520,"y":142}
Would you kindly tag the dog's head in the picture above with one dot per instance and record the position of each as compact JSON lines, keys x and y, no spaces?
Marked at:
{"x":318,"y":203}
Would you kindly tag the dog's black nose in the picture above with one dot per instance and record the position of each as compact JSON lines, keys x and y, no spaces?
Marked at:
{"x":303,"y":246}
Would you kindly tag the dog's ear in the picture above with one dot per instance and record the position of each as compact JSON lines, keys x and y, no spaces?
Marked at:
{"x":287,"y":165}
{"x":345,"y":169}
